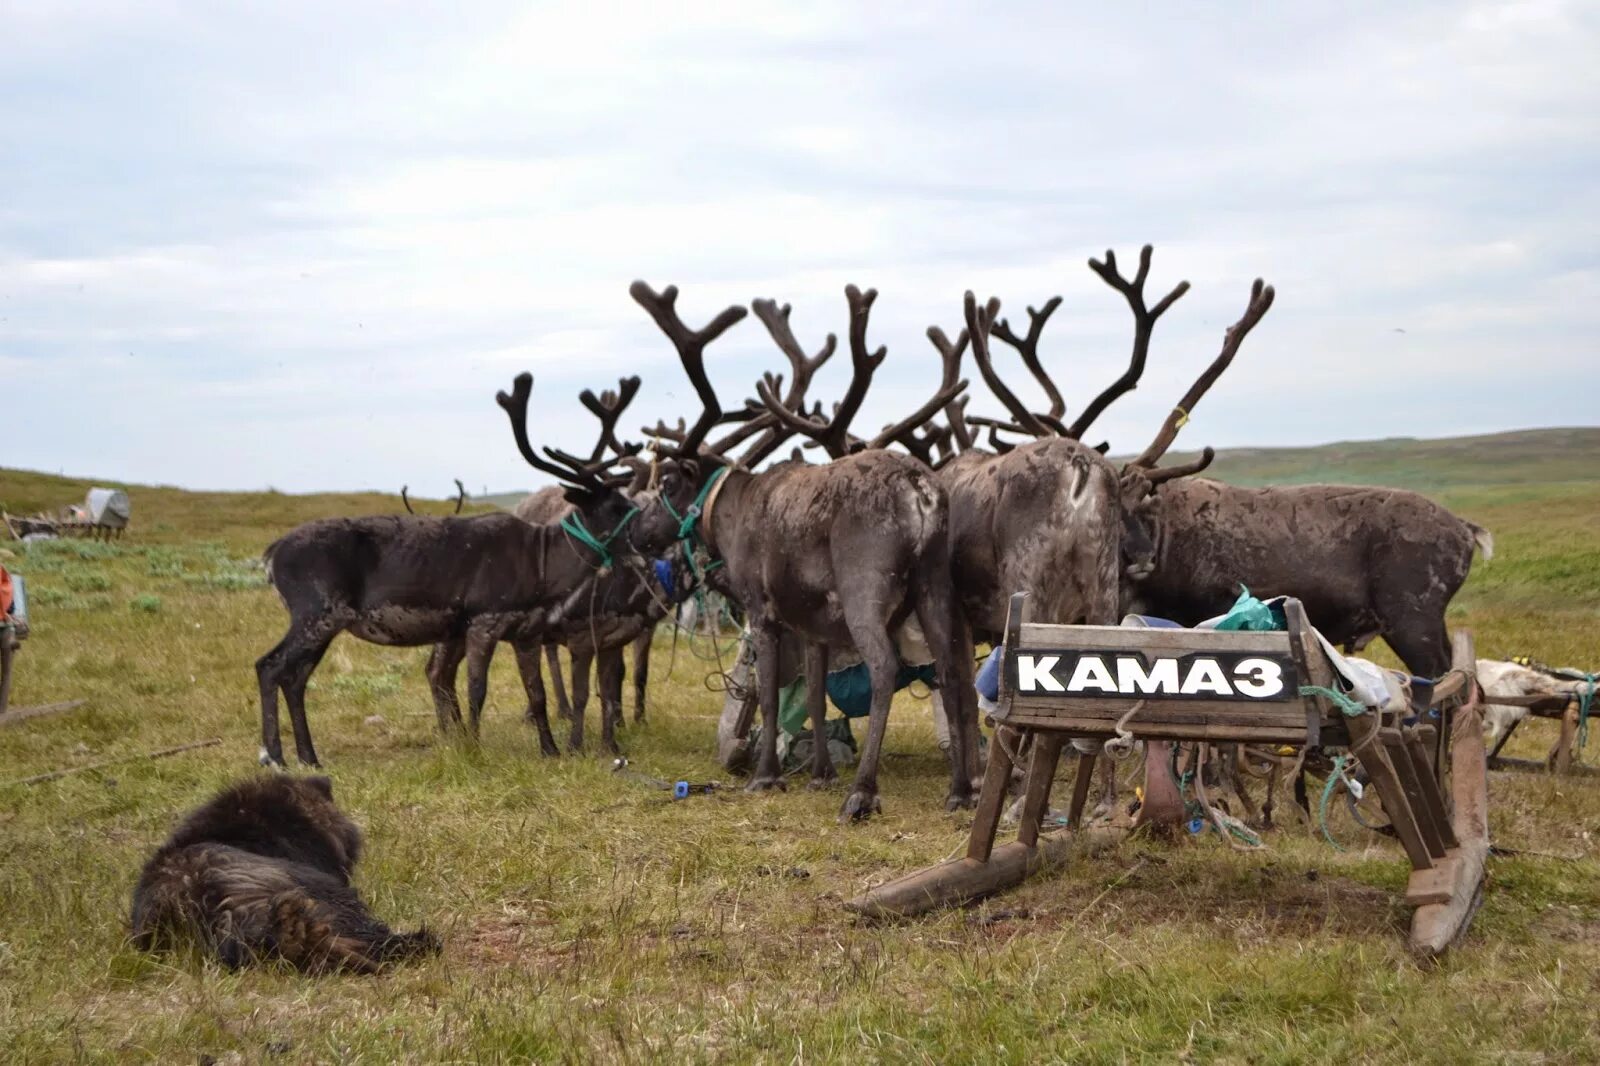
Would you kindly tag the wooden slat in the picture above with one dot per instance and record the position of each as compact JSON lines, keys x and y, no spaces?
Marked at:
{"x":1080,"y":789}
{"x":1036,"y":792}
{"x":996,"y":782}
{"x":1375,"y":761}
{"x":1434,"y":927}
{"x":1101,"y":728}
{"x":1406,"y":773}
{"x":1035,"y":635}
{"x":1419,"y":743}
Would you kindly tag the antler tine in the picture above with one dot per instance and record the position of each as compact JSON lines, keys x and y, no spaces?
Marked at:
{"x":1144,"y":322}
{"x":980,"y":321}
{"x":949,"y":389}
{"x":863,"y":363}
{"x":1167,"y":473}
{"x":461,"y":495}
{"x":955,"y":414}
{"x":608,"y":408}
{"x":1028,"y":348}
{"x":691,"y":345}
{"x":776,"y":319}
{"x":405,"y":499}
{"x":516,"y":408}
{"x":1261,"y":297}
{"x":832,"y":434}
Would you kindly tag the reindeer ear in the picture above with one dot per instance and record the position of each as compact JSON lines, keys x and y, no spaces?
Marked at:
{"x":580,"y":497}
{"x":322,"y":784}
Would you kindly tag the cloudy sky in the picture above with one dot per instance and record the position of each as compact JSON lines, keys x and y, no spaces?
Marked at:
{"x":303,"y":246}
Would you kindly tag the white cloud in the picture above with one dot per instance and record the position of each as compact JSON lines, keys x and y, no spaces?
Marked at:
{"x":300,"y":231}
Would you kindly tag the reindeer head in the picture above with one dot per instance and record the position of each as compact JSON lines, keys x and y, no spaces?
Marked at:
{"x":592,"y":485}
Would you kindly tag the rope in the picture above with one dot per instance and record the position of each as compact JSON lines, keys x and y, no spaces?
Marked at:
{"x":1336,"y":775}
{"x":1351,"y":707}
{"x":573,"y":527}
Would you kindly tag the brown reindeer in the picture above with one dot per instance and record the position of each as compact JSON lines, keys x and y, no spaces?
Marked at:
{"x":843,"y":554}
{"x":405,"y":580}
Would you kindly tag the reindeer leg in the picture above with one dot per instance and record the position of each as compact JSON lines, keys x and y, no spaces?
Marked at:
{"x":822,"y":771}
{"x":768,"y":774}
{"x":582,"y":661}
{"x":533,"y":684}
{"x":294,"y":694}
{"x":950,"y":640}
{"x":269,"y":672}
{"x":865,"y":614}
{"x":641,"y":670}
{"x":480,"y":651}
{"x":609,"y":673}
{"x":552,"y":653}
{"x":443,"y":662}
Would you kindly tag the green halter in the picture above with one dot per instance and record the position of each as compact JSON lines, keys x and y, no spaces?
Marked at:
{"x":686,"y":523}
{"x":573,"y":526}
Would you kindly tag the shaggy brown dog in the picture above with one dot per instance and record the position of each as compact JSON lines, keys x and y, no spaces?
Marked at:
{"x":263,"y":871}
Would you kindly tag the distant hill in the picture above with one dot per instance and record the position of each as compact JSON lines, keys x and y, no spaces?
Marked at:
{"x":1524,"y":457}
{"x":1528,"y":456}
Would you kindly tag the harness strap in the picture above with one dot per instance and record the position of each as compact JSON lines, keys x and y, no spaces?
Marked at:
{"x":572,"y":525}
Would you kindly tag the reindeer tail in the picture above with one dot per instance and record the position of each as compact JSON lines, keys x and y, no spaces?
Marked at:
{"x":1483,"y":539}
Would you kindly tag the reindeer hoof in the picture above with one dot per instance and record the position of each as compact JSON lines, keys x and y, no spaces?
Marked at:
{"x":959,"y":802}
{"x":310,"y":764}
{"x":766,"y":783}
{"x":859,"y":806}
{"x":817,"y":784}
{"x":271,"y":761}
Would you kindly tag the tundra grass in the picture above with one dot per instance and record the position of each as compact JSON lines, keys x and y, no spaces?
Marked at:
{"x":589,"y":918}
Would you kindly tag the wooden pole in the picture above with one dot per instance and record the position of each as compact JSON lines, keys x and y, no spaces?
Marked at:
{"x":160,"y":753}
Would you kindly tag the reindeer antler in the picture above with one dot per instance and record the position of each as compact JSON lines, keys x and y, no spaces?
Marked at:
{"x":951,"y":385}
{"x":1028,"y":348}
{"x":691,"y":345}
{"x":832,"y":434}
{"x":461,"y":495}
{"x":405,"y":499}
{"x":1261,"y":296}
{"x":980,"y":321}
{"x":1144,"y":322}
{"x":558,"y":465}
{"x":608,"y":408}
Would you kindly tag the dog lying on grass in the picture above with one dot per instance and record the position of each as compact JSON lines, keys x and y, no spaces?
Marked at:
{"x":262,"y":871}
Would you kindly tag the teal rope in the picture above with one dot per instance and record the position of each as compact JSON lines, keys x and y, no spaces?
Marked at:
{"x":1334,"y":777}
{"x":1352,"y":708}
{"x":573,"y":526}
{"x":1585,"y":704}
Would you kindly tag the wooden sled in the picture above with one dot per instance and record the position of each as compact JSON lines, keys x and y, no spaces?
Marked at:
{"x":1430,"y":776}
{"x":1559,"y":706}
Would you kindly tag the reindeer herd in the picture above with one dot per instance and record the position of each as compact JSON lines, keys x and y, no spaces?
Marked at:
{"x":903,"y":546}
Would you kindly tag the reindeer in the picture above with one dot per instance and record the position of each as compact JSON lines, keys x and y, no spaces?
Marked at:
{"x":843,"y":554}
{"x":622,"y":606}
{"x":461,"y":497}
{"x":1365,"y":562}
{"x":407,"y":580}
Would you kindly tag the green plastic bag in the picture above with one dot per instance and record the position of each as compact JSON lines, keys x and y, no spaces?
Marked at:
{"x":1249,"y":614}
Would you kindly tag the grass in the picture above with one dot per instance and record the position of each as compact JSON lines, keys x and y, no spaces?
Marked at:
{"x":589,"y":918}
